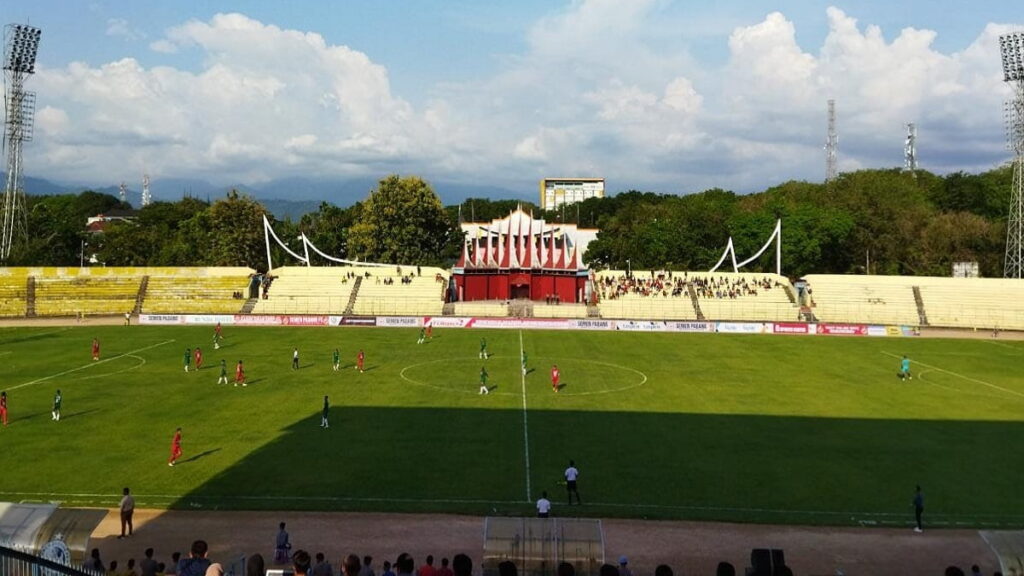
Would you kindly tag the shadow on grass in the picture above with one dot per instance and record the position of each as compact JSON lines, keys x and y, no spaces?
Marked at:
{"x":77,"y":414}
{"x":198,"y":456}
{"x":741,"y":468}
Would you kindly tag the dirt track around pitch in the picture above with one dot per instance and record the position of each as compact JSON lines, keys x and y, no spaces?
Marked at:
{"x":689,"y":547}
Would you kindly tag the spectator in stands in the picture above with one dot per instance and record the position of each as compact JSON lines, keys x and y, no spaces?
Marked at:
{"x":387,"y":569}
{"x":351,"y":566}
{"x":444,"y":570}
{"x":113,"y":568}
{"x":196,"y":563}
{"x":173,"y":568}
{"x":724,"y":569}
{"x":254,"y":566}
{"x":322,"y":566}
{"x":148,"y":566}
{"x":404,"y":564}
{"x":300,"y":563}
{"x":281,"y":544}
{"x":666,"y":570}
{"x":215,"y":570}
{"x":608,"y":570}
{"x":462,"y":565}
{"x":507,"y":568}
{"x":975,"y":570}
{"x":94,"y":563}
{"x":566,"y":569}
{"x":954,"y":571}
{"x":624,"y":567}
{"x":367,"y":569}
{"x":130,"y":570}
{"x":428,"y":568}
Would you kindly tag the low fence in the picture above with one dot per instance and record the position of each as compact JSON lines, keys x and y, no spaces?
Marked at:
{"x":15,"y":563}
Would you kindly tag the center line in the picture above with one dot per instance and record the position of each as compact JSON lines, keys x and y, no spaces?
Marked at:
{"x":526,"y":433}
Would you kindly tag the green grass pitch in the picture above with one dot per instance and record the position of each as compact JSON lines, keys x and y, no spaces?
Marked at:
{"x":783,"y":429}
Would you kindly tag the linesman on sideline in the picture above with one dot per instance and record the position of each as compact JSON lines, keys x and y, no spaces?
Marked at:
{"x":571,"y":474}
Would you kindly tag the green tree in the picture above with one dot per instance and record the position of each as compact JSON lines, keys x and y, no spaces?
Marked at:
{"x":236,"y":232}
{"x":402,"y":221}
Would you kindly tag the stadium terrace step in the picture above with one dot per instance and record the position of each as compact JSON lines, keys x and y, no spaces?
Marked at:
{"x":352,"y":297}
{"x":30,"y":296}
{"x":920,"y":306}
{"x":249,"y":305}
{"x":696,"y":303}
{"x":448,"y":309}
{"x":141,"y":296}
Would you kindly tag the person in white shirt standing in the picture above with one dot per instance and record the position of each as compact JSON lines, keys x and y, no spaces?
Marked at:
{"x":543,"y":506}
{"x":571,"y":474}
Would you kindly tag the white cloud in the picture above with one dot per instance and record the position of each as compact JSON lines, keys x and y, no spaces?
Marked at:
{"x":163,"y":46}
{"x":120,"y":27}
{"x":601,"y":88}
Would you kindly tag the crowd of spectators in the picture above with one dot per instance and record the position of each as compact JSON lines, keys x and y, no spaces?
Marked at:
{"x":664,"y":284}
{"x":301,"y":563}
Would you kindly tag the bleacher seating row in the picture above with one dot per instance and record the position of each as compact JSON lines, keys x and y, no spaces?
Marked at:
{"x":115,"y":291}
{"x":382,"y":291}
{"x":943,"y":302}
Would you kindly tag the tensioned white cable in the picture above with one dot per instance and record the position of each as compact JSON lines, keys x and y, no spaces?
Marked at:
{"x":268,"y":231}
{"x":309,"y":244}
{"x":776,"y":236}
{"x":728,"y":250}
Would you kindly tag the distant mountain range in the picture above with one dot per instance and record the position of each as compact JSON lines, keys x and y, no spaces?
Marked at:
{"x":284,"y":198}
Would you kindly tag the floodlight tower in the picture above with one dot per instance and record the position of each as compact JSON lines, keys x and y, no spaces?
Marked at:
{"x":831,"y":144}
{"x":122,"y":191}
{"x":1011,"y":46}
{"x":21,"y":43}
{"x":146,"y":196}
{"x":910,"y":149}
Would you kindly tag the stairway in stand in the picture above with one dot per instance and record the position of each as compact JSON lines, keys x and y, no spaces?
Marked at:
{"x":30,"y":296}
{"x":696,"y":302}
{"x":352,"y":297}
{"x":923,"y":318}
{"x":141,"y":296}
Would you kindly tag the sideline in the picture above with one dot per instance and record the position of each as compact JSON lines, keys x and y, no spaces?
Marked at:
{"x":97,"y":363}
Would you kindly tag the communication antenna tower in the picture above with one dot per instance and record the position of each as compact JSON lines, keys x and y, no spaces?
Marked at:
{"x":147,"y":198}
{"x":1011,"y":47}
{"x":122,"y":192}
{"x":910,"y":149}
{"x":21,"y":43}
{"x":831,"y":144}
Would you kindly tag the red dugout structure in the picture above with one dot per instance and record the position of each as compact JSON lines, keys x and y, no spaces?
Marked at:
{"x":520,"y":257}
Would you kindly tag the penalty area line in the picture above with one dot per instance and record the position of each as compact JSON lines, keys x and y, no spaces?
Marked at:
{"x":83,"y":367}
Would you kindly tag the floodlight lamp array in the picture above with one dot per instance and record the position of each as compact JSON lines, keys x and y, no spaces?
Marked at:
{"x":1011,"y":47}
{"x":21,"y":49}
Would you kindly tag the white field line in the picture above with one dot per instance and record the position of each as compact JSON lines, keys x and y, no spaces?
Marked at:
{"x":893,"y":518}
{"x":958,"y":375}
{"x":91,"y":364}
{"x":526,"y":433}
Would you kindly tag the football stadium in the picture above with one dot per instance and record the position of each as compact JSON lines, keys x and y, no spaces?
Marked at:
{"x":814,"y":378}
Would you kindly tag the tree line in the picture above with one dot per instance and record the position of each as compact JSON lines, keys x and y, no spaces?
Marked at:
{"x":869,"y":221}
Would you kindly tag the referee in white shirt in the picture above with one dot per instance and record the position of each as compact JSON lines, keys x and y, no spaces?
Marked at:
{"x":571,"y":473}
{"x":543,"y":506}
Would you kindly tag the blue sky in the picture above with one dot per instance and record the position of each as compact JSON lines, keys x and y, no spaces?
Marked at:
{"x":650,"y":94}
